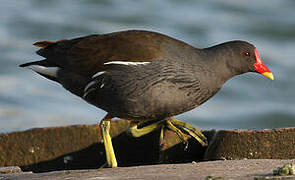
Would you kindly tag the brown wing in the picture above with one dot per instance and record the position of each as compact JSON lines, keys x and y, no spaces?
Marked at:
{"x":86,"y":55}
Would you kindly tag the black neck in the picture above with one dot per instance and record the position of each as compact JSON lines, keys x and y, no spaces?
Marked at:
{"x":221,"y":60}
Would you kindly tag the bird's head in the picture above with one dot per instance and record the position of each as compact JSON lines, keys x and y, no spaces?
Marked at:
{"x":247,"y":59}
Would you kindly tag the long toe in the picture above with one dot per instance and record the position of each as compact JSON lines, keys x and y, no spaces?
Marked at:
{"x":191,"y":130}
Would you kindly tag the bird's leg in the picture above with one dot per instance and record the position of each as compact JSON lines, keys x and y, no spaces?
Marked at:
{"x":162,"y":146}
{"x":191,"y":130}
{"x":162,"y":136}
{"x":136,"y":131}
{"x":105,"y":124}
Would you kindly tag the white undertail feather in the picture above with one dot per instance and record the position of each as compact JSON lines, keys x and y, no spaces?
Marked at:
{"x":126,"y":63}
{"x":49,"y":71}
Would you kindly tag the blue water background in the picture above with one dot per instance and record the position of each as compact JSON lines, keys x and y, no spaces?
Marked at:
{"x":250,"y":101}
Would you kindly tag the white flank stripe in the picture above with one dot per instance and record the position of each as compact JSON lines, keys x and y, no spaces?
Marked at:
{"x":98,"y":74}
{"x":89,"y":85}
{"x":49,"y":71}
{"x":86,"y":93}
{"x":126,"y":63}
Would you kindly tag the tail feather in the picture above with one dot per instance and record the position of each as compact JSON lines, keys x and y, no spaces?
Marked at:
{"x":43,"y":68}
{"x":43,"y":44}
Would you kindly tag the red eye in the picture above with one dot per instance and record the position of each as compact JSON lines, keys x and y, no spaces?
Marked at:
{"x":246,"y":54}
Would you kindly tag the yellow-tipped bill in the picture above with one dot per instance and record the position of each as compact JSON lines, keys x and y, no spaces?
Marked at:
{"x":269,"y":75}
{"x":261,"y":68}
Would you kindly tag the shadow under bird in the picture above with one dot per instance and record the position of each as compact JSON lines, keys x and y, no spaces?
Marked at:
{"x":144,"y":76}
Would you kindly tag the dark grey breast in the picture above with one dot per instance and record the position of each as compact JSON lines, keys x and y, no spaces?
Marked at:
{"x":150,"y":91}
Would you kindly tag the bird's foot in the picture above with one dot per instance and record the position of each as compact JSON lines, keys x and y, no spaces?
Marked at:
{"x":180,"y":134}
{"x":181,"y":126}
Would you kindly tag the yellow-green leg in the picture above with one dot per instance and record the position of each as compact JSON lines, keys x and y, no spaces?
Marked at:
{"x":162,"y":136}
{"x":105,"y":125}
{"x":137,"y":132}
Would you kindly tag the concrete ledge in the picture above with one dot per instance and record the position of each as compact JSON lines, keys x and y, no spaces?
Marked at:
{"x":234,"y":169}
{"x":81,"y":147}
{"x":75,"y":147}
{"x":252,"y":144}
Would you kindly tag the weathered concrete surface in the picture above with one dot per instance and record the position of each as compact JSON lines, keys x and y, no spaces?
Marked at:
{"x":10,"y":170}
{"x":230,"y":169}
{"x":252,"y":144}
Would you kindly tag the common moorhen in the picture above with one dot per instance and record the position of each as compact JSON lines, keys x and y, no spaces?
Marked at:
{"x":144,"y":76}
